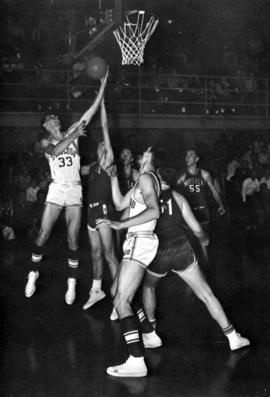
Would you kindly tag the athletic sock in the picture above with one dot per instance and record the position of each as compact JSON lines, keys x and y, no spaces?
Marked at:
{"x":73,"y":263}
{"x":131,"y":334}
{"x":228,"y":330}
{"x":37,"y":255}
{"x":153,"y":322}
{"x":96,"y":284}
{"x":145,"y":325}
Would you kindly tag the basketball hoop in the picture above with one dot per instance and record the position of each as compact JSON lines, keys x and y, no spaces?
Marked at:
{"x":133,"y":36}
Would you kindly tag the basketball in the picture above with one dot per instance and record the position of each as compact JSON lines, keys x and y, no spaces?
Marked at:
{"x":96,"y":68}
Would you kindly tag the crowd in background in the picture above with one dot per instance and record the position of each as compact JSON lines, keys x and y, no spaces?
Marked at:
{"x":239,"y":166}
{"x":35,"y":46}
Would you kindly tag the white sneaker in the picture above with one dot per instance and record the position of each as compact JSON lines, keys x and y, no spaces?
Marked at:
{"x":114,"y":315}
{"x":95,"y":295}
{"x":31,"y":284}
{"x":237,"y":341}
{"x":134,"y":367}
{"x":151,"y":340}
{"x":71,"y":291}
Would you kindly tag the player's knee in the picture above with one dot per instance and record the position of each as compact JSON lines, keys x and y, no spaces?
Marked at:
{"x":96,"y":254}
{"x":109,"y":257}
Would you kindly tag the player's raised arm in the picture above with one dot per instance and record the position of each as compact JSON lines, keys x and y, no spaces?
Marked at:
{"x":88,"y":115}
{"x":121,"y":202}
{"x":57,"y":149}
{"x":109,"y":156}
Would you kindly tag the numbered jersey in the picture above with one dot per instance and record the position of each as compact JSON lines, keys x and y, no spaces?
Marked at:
{"x":66,"y":166}
{"x":136,"y":207}
{"x":170,"y":225}
{"x":195,"y":190}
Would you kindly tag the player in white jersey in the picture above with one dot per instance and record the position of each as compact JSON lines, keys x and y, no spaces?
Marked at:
{"x":65,"y":191}
{"x":139,"y":248}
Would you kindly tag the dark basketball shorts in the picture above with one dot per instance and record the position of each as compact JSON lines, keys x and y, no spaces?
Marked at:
{"x":177,"y":256}
{"x":98,"y":211}
{"x":202,"y":215}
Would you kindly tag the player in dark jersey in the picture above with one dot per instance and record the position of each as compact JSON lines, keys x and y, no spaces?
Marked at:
{"x":193,"y":184}
{"x":127,"y":177}
{"x":127,"y":174}
{"x":195,"y":181}
{"x":175,"y":253}
{"x":100,"y":205}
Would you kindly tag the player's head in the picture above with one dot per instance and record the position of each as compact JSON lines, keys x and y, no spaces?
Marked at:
{"x":50,"y":124}
{"x":126,"y":156}
{"x":167,"y":175}
{"x":192,"y":157}
{"x":139,"y":159}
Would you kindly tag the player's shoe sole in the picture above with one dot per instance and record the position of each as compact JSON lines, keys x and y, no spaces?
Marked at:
{"x":30,"y":287}
{"x":94,"y":297}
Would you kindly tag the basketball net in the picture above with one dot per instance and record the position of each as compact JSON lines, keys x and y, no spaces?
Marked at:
{"x":134,"y":35}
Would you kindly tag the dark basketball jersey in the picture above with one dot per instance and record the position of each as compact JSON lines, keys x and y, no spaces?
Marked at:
{"x":195,"y":191}
{"x":170,"y":225}
{"x":99,"y":186}
{"x":125,"y":182}
{"x":195,"y":188}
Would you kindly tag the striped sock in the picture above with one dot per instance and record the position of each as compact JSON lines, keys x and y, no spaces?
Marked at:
{"x":131,"y":334}
{"x":37,"y":255}
{"x":153,"y":322}
{"x":227,"y":330}
{"x":145,"y":325}
{"x":73,"y":262}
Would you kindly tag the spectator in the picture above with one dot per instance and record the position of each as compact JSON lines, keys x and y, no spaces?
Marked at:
{"x":232,"y":167}
{"x":31,"y":191}
{"x":248,"y":157}
{"x":263,"y":157}
{"x":264,"y":205}
{"x":250,"y":186}
{"x":24,"y":179}
{"x":266,"y":179}
{"x":7,"y":232}
{"x":44,"y":181}
{"x":243,"y":172}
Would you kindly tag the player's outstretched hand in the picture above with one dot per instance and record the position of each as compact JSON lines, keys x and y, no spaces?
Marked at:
{"x":105,"y":77}
{"x":80,"y":129}
{"x":111,"y":170}
{"x":72,"y":128}
{"x":113,"y":224}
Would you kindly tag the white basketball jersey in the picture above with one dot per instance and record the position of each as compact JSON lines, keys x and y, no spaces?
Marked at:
{"x":137,"y":207}
{"x":66,"y":166}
